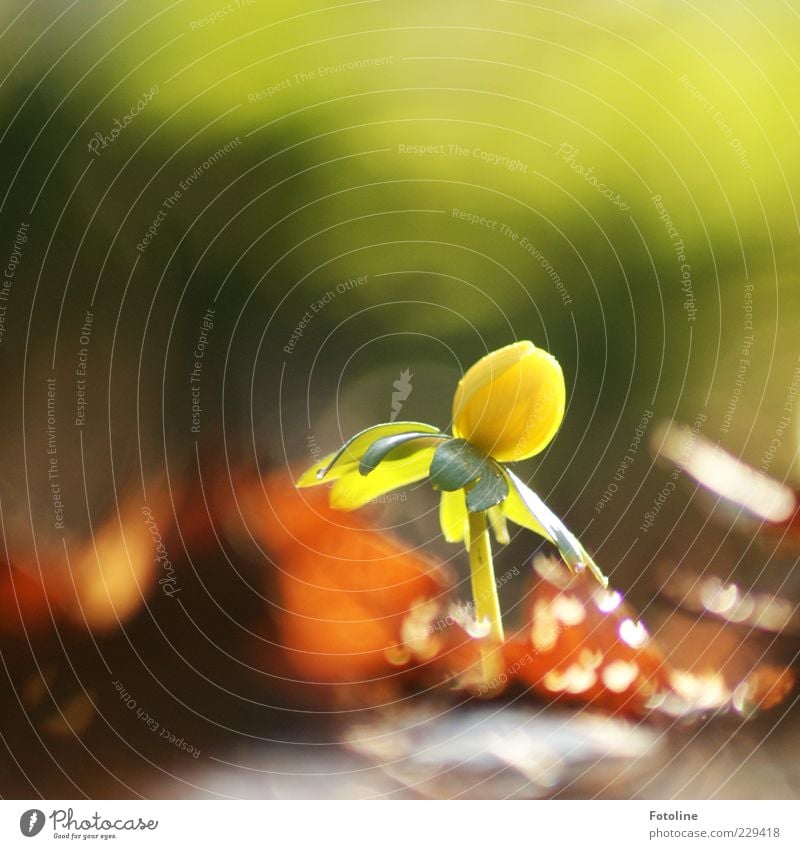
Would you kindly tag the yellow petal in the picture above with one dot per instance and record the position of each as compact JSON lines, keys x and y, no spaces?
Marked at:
{"x":347,"y":458}
{"x":310,"y":477}
{"x":353,"y":490}
{"x":510,"y":404}
{"x":453,"y":515}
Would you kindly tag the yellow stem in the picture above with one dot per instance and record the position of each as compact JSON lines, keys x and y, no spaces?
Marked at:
{"x":484,"y":592}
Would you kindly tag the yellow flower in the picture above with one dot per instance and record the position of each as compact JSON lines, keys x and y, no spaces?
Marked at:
{"x":510,"y":404}
{"x":507,"y":407}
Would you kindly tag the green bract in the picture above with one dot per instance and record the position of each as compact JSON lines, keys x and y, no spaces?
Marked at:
{"x":507,"y":407}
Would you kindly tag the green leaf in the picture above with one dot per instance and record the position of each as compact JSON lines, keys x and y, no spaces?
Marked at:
{"x":490,"y":490}
{"x":455,"y":464}
{"x":381,"y":448}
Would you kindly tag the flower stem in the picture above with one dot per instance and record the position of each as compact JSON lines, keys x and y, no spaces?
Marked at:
{"x":484,"y":590}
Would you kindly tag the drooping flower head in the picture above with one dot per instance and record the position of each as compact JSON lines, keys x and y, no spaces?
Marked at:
{"x":507,"y":407}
